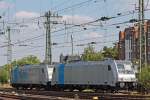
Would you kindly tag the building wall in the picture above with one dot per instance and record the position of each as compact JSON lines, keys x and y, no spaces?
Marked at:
{"x":121,"y":47}
{"x":129,"y":43}
{"x":148,"y":40}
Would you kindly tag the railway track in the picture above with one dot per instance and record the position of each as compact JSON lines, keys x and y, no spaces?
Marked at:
{"x":12,"y":94}
{"x":56,"y":95}
{"x":30,"y":97}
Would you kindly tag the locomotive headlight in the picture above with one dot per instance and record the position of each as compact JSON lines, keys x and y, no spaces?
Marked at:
{"x":122,"y":84}
{"x":134,"y":84}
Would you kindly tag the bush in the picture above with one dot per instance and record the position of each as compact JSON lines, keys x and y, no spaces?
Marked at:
{"x":3,"y":76}
{"x":144,"y":77}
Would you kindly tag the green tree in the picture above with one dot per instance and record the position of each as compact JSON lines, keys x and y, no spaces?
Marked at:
{"x":26,"y":60}
{"x":91,"y":55}
{"x":144,"y":77}
{"x":110,"y":52}
{"x":4,"y":76}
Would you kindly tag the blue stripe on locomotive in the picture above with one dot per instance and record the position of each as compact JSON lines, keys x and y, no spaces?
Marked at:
{"x":15,"y":75}
{"x":20,"y":75}
{"x":61,"y":74}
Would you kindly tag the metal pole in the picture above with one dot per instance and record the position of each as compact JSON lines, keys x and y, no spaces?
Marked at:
{"x":140,"y":34}
{"x":48,"y":53}
{"x":143,"y":36}
{"x":49,"y":39}
{"x":46,"y":49}
{"x":9,"y":49}
{"x":144,"y":33}
{"x":72,"y":43}
{"x":9,"y":53}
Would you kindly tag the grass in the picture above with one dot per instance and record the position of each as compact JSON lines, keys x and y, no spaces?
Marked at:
{"x":5,"y":86}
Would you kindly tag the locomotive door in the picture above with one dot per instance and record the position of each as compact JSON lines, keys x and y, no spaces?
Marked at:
{"x":109,"y":76}
{"x":105,"y":75}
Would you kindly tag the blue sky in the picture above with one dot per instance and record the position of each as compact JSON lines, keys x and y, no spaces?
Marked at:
{"x":25,"y":12}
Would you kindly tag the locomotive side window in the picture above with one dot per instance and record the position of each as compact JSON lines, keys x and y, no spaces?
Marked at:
{"x":42,"y":70}
{"x":109,"y":68}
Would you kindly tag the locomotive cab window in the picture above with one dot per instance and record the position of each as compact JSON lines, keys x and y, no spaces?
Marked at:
{"x":109,"y":68}
{"x":54,"y":70}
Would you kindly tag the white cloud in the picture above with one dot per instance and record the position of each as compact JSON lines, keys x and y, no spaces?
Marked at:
{"x":76,"y":19}
{"x":26,"y":14}
{"x":94,"y":35}
{"x":4,"y":5}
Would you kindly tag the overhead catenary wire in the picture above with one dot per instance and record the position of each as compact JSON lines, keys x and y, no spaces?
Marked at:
{"x":72,"y":6}
{"x":75,"y":41}
{"x":68,"y":46}
{"x":60,"y":4}
{"x":54,"y":32}
{"x":58,"y":35}
{"x":76,"y":5}
{"x":58,"y":47}
{"x":120,"y":14}
{"x":64,"y":43}
{"x":62,"y":30}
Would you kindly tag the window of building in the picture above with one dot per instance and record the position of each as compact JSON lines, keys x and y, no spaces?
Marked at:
{"x":130,"y":55}
{"x":148,"y":41}
{"x":148,"y":33}
{"x":149,"y":56}
{"x":148,"y":28}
